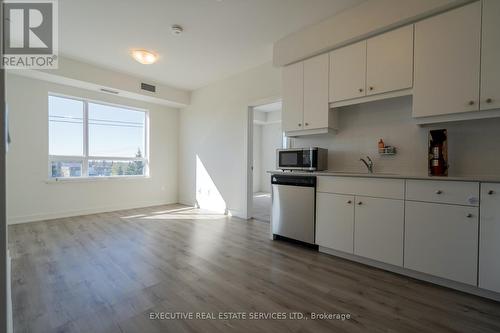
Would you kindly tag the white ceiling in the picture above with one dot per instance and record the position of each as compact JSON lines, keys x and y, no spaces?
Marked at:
{"x":221,"y":37}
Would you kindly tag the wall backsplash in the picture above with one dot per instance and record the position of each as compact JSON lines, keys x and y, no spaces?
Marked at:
{"x":474,"y":146}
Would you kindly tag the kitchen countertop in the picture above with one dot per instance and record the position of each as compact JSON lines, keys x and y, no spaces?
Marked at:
{"x":465,"y":178}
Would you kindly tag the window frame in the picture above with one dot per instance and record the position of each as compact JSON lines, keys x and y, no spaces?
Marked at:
{"x":85,"y":158}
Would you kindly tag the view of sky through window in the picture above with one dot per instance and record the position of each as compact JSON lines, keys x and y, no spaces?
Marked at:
{"x":65,"y":126}
{"x":113,"y":131}
{"x":115,"y":144}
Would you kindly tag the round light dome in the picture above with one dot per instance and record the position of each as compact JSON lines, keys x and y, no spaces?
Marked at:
{"x":144,"y":57}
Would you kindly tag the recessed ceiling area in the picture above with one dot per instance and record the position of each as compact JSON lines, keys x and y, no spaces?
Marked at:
{"x":220,"y":38}
{"x":277,"y":106}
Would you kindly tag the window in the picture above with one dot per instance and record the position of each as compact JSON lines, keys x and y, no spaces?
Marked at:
{"x":92,"y":139}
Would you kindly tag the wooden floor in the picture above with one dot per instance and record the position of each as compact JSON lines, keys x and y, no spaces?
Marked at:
{"x":261,"y":206}
{"x":108,"y":272}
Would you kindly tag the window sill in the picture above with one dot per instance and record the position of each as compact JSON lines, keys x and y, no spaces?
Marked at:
{"x":94,"y":179}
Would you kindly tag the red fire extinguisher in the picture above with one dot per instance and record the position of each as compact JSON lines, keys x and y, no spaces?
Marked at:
{"x":438,"y":165}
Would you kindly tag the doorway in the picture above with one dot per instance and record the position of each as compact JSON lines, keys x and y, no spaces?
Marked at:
{"x":266,"y":136}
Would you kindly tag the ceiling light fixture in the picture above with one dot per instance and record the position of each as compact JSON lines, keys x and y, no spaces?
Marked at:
{"x":145,"y":57}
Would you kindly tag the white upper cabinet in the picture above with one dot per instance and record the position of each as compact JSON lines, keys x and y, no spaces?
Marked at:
{"x":447,"y":62}
{"x":378,"y":65}
{"x":305,"y":98}
{"x":490,"y":55}
{"x":489,"y":238}
{"x":348,"y":72}
{"x":390,"y":61}
{"x":293,"y":97}
{"x":316,"y":92}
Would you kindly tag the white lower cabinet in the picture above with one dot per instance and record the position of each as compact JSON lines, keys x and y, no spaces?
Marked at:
{"x":378,"y":229}
{"x":335,"y":221}
{"x":489,"y":238}
{"x":437,"y":228}
{"x":442,"y":240}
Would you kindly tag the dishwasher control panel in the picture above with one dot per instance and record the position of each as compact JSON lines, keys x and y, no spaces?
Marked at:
{"x":308,"y":181}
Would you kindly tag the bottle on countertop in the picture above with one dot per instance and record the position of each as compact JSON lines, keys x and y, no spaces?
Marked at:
{"x":381,"y":146}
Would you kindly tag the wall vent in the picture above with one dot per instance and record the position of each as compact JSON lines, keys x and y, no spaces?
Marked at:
{"x":148,"y":87}
{"x":109,"y":91}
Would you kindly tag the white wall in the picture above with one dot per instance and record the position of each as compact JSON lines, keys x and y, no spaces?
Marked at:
{"x":267,"y":137}
{"x":473,"y":145}
{"x":71,"y":72}
{"x":30,"y":197}
{"x":272,"y":139}
{"x":257,"y":156}
{"x":214,"y":128}
{"x":356,"y":23}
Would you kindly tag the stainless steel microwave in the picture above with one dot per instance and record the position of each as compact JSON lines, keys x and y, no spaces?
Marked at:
{"x":307,"y":159}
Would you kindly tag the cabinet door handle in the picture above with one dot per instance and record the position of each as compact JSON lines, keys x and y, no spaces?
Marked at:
{"x":439,"y":192}
{"x":489,"y":100}
{"x":491,"y":192}
{"x":349,"y":202}
{"x":300,"y":125}
{"x":371,"y":88}
{"x":471,"y":102}
{"x":307,"y":124}
{"x":360,"y":203}
{"x":360,"y":89}
{"x":469,"y":215}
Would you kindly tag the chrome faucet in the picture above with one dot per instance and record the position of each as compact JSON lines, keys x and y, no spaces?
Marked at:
{"x":369,"y":164}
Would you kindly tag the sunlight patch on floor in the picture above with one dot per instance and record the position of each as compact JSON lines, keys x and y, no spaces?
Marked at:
{"x":160,"y":212}
{"x":207,"y":194}
{"x":185,"y":217}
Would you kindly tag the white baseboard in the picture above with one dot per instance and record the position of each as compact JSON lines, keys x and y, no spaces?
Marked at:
{"x":93,"y":210}
{"x":187,"y":203}
{"x":238,"y":213}
{"x":233,"y":212}
{"x":10,"y":327}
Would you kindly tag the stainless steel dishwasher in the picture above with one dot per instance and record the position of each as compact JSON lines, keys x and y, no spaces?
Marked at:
{"x":293,"y":207}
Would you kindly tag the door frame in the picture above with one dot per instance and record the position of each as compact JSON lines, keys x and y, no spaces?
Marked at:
{"x":248,"y":186}
{"x":5,"y":303}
